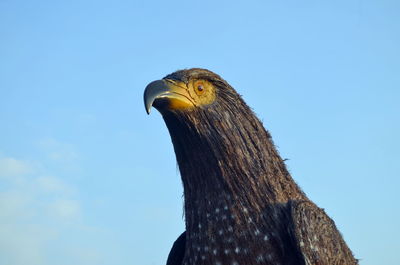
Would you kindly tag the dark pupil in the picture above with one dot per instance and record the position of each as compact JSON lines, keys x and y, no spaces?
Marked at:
{"x":200,"y":88}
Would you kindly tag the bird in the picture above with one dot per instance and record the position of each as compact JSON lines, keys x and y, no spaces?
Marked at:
{"x":241,"y":204}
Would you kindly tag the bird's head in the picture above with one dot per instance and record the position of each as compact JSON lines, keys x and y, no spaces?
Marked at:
{"x":188,"y":91}
{"x":202,"y":110}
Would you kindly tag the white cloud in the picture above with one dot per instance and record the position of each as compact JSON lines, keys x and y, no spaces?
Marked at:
{"x":65,"y":209}
{"x":13,"y":169}
{"x":35,"y":210}
{"x":21,"y":245}
{"x":14,"y":205}
{"x":11,"y":166}
{"x":52,"y":185}
{"x":42,"y":220}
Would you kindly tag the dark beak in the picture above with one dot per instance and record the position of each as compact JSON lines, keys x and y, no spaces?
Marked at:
{"x":154,"y":90}
{"x":166,"y":95}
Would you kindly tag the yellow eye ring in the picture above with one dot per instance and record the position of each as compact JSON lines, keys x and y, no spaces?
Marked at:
{"x":199,"y":88}
{"x":201,"y":91}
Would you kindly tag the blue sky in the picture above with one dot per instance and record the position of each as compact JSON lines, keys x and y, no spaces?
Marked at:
{"x":86,"y":177}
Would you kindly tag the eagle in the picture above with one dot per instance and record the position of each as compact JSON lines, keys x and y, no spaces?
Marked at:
{"x":241,"y":205}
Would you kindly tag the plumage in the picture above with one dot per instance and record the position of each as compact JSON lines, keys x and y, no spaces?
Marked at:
{"x":241,"y":204}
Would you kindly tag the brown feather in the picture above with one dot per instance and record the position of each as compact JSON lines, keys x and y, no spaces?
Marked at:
{"x":238,"y":194}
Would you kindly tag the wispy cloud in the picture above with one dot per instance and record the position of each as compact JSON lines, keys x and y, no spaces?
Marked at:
{"x":13,"y":170}
{"x":37,"y":209}
{"x":22,"y":235}
{"x":58,"y":151}
{"x":23,"y":244}
{"x":52,"y":184}
{"x":65,"y":209}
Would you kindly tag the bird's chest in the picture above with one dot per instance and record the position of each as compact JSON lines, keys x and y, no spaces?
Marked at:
{"x":225,"y":242}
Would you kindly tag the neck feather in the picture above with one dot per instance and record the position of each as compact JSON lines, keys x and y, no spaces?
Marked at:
{"x":228,"y":159}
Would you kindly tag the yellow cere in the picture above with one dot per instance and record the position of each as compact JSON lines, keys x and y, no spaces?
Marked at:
{"x":179,"y":103}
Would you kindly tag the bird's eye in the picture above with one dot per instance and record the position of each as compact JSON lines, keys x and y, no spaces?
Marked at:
{"x":199,"y":88}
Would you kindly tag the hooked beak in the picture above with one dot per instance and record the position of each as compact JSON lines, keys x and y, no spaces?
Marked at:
{"x":167,"y":94}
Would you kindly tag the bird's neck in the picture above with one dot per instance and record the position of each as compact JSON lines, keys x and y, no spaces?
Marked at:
{"x":229,"y":157}
{"x":234,"y":180}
